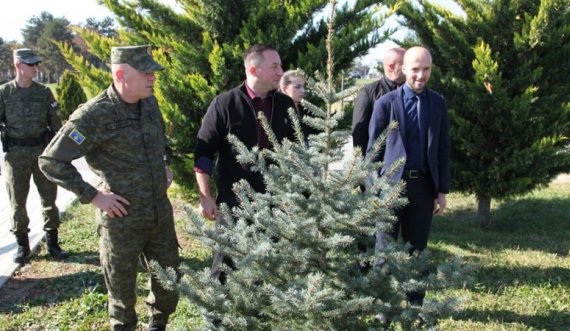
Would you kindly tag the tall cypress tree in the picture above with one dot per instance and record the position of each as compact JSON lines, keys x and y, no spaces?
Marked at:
{"x":201,"y":45}
{"x":504,"y":67}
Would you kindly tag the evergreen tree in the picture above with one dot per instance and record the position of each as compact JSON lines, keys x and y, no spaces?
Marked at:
{"x":40,"y":34}
{"x":94,"y":79}
{"x":298,"y":265}
{"x":201,"y":45}
{"x":6,"y":60}
{"x":504,"y":67}
{"x":105,"y":27}
{"x":69,"y":95}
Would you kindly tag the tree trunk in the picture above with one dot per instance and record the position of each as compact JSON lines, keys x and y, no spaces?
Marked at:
{"x":483,"y":210}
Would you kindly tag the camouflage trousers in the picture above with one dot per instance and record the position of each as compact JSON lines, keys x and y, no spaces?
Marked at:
{"x":121,"y":249}
{"x":21,"y":164}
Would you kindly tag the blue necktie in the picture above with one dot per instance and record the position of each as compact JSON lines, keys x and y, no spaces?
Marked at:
{"x":414,"y":110}
{"x":418,"y":111}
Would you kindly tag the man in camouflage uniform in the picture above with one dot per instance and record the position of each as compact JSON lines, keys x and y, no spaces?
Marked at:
{"x":28,"y":117}
{"x":121,"y":134}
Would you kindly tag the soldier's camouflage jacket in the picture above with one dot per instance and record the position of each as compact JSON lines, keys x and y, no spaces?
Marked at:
{"x":124,"y":146}
{"x":28,"y":115}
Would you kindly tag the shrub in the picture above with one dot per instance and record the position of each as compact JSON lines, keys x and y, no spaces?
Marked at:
{"x":69,"y":95}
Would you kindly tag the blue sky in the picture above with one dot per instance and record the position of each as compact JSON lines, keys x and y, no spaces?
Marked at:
{"x":76,"y":11}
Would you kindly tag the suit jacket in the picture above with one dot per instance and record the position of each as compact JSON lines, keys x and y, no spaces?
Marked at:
{"x":390,"y":107}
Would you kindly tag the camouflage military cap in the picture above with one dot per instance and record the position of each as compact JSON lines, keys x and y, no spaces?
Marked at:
{"x":26,"y":55}
{"x":138,"y":57}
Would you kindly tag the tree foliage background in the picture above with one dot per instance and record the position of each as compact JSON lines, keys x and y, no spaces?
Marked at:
{"x":6,"y":62}
{"x":69,"y":95}
{"x":504,"y":67}
{"x":201,"y":44}
{"x":39,"y":34}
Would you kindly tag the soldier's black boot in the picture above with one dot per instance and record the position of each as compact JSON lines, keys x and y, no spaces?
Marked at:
{"x":53,"y":246}
{"x":24,"y":252}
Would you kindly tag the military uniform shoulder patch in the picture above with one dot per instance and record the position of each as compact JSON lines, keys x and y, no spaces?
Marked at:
{"x":76,"y":136}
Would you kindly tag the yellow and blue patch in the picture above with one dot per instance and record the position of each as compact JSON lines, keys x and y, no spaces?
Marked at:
{"x":76,"y":136}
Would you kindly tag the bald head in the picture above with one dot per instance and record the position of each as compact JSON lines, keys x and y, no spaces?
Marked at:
{"x":392,"y":61}
{"x":417,"y":52}
{"x":417,"y":68}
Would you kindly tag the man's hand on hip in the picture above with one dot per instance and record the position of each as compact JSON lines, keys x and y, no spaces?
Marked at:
{"x":113,"y":204}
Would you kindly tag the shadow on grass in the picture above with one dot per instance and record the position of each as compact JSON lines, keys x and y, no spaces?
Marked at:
{"x":75,"y":257}
{"x":528,"y":224}
{"x":494,"y":278}
{"x":32,"y":292}
{"x":20,"y":294}
{"x":551,"y":321}
{"x":523,"y":224}
{"x":497,"y":278}
{"x":92,"y":258}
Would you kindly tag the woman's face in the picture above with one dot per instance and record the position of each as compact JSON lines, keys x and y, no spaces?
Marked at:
{"x":296,"y":89}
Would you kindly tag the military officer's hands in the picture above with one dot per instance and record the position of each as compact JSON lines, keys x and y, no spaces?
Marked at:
{"x":208,"y":208}
{"x":111,"y":203}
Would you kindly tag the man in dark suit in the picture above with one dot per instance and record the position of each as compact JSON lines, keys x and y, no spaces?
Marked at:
{"x":422,"y":138}
{"x":392,"y":78}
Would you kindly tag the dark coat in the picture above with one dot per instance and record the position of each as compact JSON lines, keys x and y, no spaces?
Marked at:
{"x":233,"y":112}
{"x":363,"y":105}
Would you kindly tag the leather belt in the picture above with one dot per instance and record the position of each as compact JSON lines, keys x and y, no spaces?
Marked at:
{"x":414,"y":174}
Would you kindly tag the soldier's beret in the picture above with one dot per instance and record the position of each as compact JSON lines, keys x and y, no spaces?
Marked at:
{"x":138,"y":57}
{"x":26,"y":55}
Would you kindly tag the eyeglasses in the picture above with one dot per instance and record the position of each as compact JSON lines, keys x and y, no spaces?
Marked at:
{"x":31,"y":64}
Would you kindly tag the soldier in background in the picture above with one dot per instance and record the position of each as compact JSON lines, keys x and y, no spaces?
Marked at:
{"x":29,"y":119}
{"x":121,"y":134}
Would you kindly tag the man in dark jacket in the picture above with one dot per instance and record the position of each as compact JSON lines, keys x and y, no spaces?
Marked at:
{"x":235,"y":112}
{"x":393,"y":77}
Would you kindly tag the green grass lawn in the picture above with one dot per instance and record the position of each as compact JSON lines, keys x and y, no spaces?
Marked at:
{"x":521,"y":270}
{"x":521,"y":264}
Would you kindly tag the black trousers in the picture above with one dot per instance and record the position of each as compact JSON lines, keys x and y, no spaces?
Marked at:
{"x":414,"y":220}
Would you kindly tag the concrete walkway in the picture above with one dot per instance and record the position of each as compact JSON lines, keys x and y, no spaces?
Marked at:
{"x":7,"y":240}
